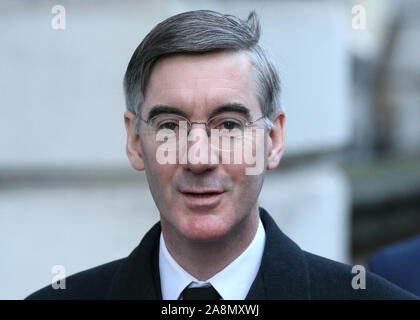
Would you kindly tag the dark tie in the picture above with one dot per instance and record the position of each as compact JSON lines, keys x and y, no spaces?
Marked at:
{"x":201,"y":293}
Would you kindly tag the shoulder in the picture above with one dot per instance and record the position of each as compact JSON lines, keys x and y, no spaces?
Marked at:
{"x":399,"y":254}
{"x":295,"y":273}
{"x":135,"y":276}
{"x":89,"y":284}
{"x":399,"y":263}
{"x":333,"y":280}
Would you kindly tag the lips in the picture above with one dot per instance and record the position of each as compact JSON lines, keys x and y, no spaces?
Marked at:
{"x":202,"y":194}
{"x":202,"y":198}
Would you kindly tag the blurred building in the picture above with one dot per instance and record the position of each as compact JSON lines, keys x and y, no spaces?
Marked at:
{"x":383,"y":162}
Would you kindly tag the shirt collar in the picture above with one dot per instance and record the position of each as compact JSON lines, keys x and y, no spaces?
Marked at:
{"x":232,"y":283}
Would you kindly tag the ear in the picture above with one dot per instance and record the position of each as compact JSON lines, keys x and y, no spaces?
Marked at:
{"x":133,"y":148}
{"x":276,"y":138}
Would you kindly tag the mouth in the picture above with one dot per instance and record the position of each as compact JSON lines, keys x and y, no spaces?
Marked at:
{"x":202,"y":198}
{"x":201,"y":194}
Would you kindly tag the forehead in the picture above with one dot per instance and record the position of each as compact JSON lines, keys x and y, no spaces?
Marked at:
{"x":199,"y":83}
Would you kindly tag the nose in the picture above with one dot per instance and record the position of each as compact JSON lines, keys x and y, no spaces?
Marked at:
{"x":202,"y":125}
{"x":200,"y":155}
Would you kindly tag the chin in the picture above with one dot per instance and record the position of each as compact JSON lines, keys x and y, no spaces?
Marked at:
{"x":205,"y":228}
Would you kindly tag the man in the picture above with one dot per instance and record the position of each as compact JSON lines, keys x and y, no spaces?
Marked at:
{"x":204,"y":122}
{"x":399,"y":263}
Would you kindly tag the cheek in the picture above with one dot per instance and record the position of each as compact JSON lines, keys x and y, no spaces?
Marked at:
{"x":248,"y":174}
{"x":245,"y":186}
{"x":158,"y":175}
{"x":249,"y":157}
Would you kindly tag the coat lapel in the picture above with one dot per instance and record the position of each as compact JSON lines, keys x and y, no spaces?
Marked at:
{"x":283,"y":273}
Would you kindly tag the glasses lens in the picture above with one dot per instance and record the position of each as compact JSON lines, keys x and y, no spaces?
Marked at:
{"x":166,"y":128}
{"x":166,"y":122}
{"x":227,"y":131}
{"x":228,"y":124}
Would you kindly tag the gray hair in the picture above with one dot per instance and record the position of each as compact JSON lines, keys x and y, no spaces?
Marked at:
{"x":203,"y":31}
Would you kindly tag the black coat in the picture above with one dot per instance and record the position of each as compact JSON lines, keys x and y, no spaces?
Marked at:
{"x":286,"y":272}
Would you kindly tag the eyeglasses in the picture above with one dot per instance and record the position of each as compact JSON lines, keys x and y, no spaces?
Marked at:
{"x":224,"y":126}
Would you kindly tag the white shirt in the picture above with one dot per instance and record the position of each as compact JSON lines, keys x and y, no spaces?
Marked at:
{"x":232,"y":283}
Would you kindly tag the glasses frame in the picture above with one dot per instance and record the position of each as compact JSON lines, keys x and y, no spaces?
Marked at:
{"x":190,"y":123}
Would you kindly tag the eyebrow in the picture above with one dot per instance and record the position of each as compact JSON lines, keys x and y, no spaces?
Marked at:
{"x":164,"y":108}
{"x":227,"y":107}
{"x":231,"y":107}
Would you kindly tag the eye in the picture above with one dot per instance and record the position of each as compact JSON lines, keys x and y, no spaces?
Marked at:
{"x":169,"y":125}
{"x":230,"y":125}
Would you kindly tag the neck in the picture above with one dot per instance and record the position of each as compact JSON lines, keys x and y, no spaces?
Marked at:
{"x":205,"y":259}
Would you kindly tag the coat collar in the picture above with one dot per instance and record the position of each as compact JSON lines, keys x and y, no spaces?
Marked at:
{"x":283,"y":273}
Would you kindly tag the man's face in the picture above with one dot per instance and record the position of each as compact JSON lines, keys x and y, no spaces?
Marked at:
{"x":204,"y":201}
